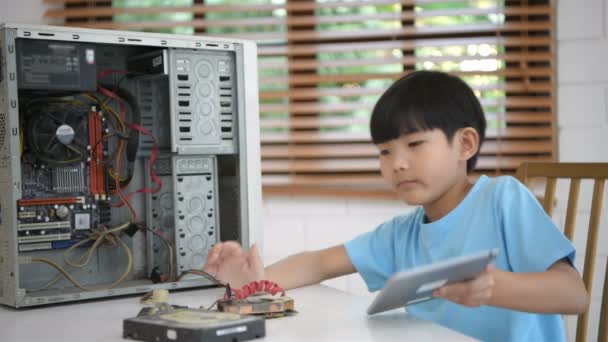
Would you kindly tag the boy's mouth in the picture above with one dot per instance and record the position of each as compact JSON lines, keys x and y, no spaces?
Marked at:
{"x":406,"y":183}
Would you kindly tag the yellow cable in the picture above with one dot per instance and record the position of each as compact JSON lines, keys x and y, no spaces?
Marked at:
{"x":57,"y":277}
{"x":61,"y":270}
{"x":98,"y":240}
{"x":73,"y":281}
{"x":88,"y":254}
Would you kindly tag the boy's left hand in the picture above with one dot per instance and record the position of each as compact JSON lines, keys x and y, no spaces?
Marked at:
{"x":471,"y":293}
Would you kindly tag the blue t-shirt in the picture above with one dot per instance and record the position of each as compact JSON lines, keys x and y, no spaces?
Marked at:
{"x":497,"y":212}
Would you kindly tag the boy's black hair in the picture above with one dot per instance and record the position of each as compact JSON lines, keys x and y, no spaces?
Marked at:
{"x":425,"y":100}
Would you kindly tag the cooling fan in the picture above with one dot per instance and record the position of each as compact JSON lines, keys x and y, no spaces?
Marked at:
{"x":58,"y":135}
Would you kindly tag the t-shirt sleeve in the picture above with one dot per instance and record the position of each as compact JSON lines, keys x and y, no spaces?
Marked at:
{"x":533,"y":241}
{"x":372,"y":255}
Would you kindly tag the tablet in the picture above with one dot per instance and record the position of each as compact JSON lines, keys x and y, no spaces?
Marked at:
{"x":417,"y":284}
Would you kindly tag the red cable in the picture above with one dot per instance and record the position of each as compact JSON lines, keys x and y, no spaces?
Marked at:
{"x":143,"y":130}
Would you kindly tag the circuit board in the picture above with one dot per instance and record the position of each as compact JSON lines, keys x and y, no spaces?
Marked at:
{"x":64,"y":182}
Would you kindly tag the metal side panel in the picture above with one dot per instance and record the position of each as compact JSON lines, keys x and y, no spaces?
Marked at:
{"x":250,"y":173}
{"x":10,"y":173}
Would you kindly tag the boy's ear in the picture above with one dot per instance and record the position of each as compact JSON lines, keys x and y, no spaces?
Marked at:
{"x":469,"y":142}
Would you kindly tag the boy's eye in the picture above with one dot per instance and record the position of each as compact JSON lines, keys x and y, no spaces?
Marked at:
{"x":384,"y":152}
{"x":415,"y":143}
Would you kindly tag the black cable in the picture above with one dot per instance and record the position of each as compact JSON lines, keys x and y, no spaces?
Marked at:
{"x":203,"y":274}
{"x":142,"y":226}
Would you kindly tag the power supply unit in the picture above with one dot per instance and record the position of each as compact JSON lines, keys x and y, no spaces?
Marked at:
{"x":124,"y":157}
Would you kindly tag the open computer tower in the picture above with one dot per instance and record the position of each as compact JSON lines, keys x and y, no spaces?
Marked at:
{"x":124,"y":157}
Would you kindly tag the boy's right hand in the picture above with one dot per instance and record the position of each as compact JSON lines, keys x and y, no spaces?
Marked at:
{"x":229,"y":263}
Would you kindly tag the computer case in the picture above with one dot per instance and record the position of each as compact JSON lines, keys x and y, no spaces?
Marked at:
{"x":124,"y":157}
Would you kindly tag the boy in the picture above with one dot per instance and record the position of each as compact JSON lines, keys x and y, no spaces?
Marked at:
{"x":429,"y":127}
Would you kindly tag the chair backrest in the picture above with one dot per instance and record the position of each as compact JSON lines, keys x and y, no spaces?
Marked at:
{"x":576,"y":172}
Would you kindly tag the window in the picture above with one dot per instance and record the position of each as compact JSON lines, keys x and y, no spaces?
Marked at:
{"x":324,"y":63}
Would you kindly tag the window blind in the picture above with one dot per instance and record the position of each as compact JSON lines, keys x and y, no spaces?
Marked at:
{"x":324,"y":63}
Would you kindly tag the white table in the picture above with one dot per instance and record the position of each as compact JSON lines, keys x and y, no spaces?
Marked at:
{"x":325,"y":314}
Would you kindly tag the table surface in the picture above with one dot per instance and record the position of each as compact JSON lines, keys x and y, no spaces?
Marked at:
{"x":324,"y":314}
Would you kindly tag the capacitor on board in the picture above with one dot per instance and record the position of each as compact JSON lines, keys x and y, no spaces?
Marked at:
{"x":62,"y":212}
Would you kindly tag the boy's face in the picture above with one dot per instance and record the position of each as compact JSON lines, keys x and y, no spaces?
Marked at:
{"x":422,"y":166}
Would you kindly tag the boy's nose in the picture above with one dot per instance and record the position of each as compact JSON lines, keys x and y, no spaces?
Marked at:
{"x":401,"y":164}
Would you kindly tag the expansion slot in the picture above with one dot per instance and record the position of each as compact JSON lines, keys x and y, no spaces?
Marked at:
{"x":59,"y":244}
{"x":43,"y":225}
{"x":44,"y":238}
{"x":35,"y":246}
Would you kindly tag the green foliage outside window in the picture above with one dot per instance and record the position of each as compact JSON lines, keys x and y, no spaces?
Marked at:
{"x":468,"y":57}
{"x":177,"y":17}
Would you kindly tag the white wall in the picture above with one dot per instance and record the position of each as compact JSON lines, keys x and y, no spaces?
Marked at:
{"x":295,"y":224}
{"x":23,"y":11}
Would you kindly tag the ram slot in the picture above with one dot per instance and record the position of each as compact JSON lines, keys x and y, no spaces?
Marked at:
{"x":50,"y":201}
{"x":92,"y":163}
{"x":100,"y":180}
{"x":97,"y":166}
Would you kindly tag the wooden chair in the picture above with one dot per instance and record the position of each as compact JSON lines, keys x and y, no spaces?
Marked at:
{"x":576,"y":172}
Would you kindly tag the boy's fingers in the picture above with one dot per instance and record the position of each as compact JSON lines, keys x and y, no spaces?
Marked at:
{"x":255,"y":261}
{"x":469,"y":293}
{"x":223,"y":250}
{"x":454,"y":290}
{"x":217,"y":255}
{"x":231,"y":244}
{"x":213,"y":255}
{"x":215,"y":251}
{"x":211,"y":259}
{"x":230,"y":248}
{"x":211,"y":269}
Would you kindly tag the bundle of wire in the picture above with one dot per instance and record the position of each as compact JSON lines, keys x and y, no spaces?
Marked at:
{"x":98,"y":236}
{"x":102,"y":235}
